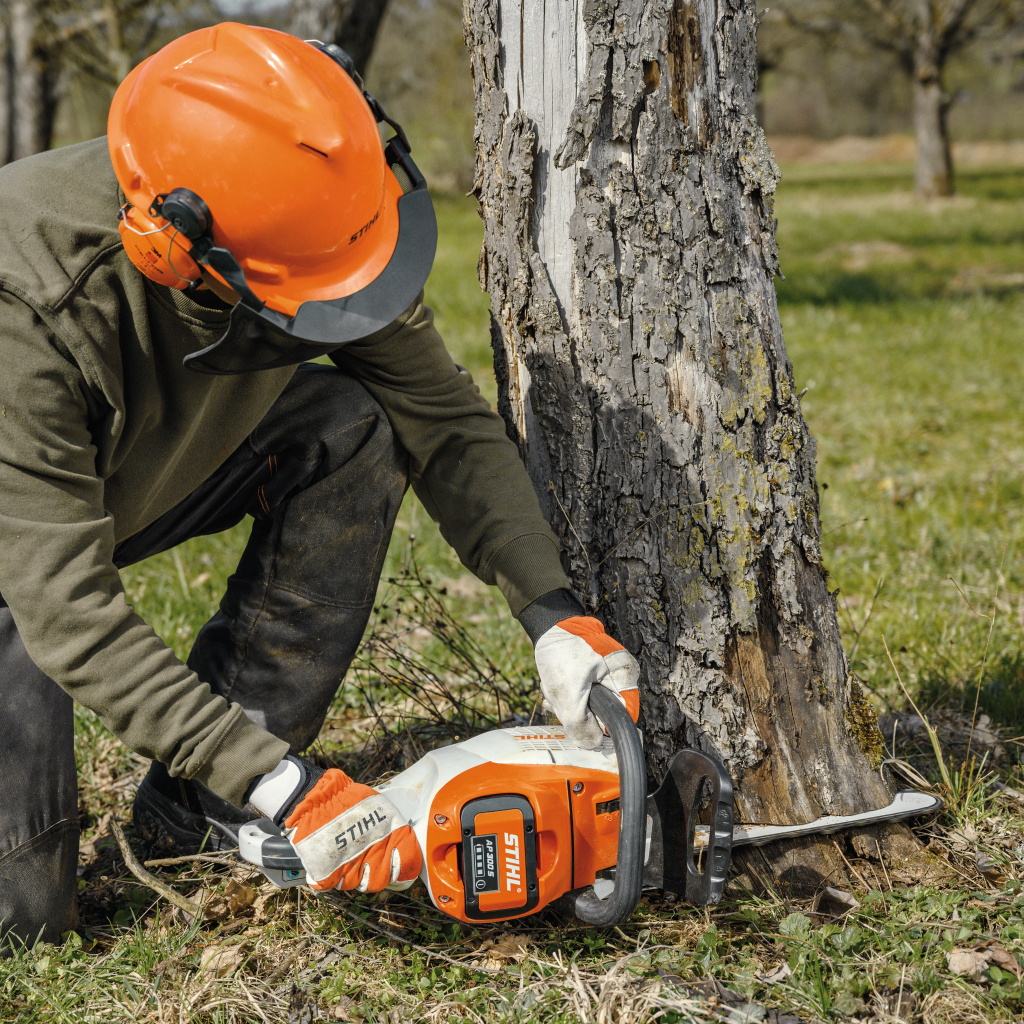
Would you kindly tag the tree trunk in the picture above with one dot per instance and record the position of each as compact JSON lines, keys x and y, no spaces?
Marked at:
{"x":629,"y":252}
{"x":351,"y":24}
{"x":933,"y":173}
{"x":117,"y":52}
{"x":6,"y":89}
{"x":29,"y":80}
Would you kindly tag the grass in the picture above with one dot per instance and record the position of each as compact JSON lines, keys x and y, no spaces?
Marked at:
{"x":903,"y":322}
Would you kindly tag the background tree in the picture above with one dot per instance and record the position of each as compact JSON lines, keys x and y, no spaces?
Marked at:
{"x":28,"y":77}
{"x":351,"y":24}
{"x":46,"y":44}
{"x":772,"y":50}
{"x":108,"y":38}
{"x":923,"y":35}
{"x":51,"y":49}
{"x":629,"y":253}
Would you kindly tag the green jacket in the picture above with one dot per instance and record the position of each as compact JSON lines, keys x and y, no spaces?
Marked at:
{"x":102,"y":430}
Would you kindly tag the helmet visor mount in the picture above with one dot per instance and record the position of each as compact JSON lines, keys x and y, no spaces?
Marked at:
{"x":260,"y":338}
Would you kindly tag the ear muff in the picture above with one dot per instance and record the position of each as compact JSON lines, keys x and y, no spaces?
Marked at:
{"x":154,"y":242}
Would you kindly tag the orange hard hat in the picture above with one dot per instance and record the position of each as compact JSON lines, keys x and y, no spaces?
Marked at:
{"x":251,"y":155}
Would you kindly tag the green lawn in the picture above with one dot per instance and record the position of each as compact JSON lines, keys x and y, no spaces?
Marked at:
{"x":904,"y":323}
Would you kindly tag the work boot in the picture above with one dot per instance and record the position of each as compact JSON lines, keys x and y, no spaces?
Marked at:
{"x":180,"y":817}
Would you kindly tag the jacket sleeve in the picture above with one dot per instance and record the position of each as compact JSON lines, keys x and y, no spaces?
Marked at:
{"x":463,"y":467}
{"x":58,"y":578}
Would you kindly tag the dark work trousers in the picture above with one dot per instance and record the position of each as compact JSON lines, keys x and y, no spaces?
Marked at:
{"x":323,"y":478}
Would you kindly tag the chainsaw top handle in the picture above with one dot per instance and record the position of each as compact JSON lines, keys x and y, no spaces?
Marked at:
{"x":629,"y":866}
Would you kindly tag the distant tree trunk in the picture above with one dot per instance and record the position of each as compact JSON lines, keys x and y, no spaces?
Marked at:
{"x":6,"y":90}
{"x":933,"y":173}
{"x":117,"y":52}
{"x":629,"y":252}
{"x":351,"y":24}
{"x":28,"y":81}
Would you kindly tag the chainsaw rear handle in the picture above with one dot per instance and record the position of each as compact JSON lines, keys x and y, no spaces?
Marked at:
{"x":629,"y":865}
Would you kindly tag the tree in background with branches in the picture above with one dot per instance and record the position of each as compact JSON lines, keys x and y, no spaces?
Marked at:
{"x":44,"y":44}
{"x":351,"y":24}
{"x":48,"y":47}
{"x":923,"y":35}
{"x":30,"y":67}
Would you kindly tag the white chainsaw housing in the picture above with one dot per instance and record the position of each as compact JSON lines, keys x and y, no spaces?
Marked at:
{"x":413,"y":790}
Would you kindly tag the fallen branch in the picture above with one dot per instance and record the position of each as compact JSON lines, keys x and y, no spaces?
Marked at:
{"x":338,"y":904}
{"x":211,"y":858}
{"x":149,"y":880}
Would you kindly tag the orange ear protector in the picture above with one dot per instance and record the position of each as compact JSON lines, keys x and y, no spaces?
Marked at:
{"x":156,"y":248}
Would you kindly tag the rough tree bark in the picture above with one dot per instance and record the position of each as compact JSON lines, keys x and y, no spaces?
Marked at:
{"x":350,"y":24}
{"x":627,"y":196}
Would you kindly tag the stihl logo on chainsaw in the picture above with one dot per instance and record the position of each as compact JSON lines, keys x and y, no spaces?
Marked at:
{"x":360,"y":828}
{"x":512,"y":865}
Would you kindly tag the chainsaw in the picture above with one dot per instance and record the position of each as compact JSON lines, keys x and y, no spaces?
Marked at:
{"x":519,"y":819}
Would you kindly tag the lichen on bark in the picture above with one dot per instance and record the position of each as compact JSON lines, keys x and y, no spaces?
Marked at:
{"x":863,"y":720}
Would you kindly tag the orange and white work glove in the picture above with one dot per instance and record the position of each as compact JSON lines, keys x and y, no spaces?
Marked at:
{"x":572,"y":656}
{"x":347,"y":835}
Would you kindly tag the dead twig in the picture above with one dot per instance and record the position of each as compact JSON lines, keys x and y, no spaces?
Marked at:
{"x":881,"y":860}
{"x":347,"y":950}
{"x":210,"y":858}
{"x":933,"y":736}
{"x":337,"y":903}
{"x":136,"y":868}
{"x":858,"y":633}
{"x":853,"y":870}
{"x":984,"y":657}
{"x":285,"y":964}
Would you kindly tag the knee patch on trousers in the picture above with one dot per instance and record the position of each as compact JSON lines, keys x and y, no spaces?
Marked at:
{"x":38,"y":882}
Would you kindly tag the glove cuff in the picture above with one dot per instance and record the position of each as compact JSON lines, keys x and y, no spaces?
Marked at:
{"x":548,"y":610}
{"x":276,"y":793}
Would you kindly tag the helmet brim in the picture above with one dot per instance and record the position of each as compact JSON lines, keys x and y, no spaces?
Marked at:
{"x":260,"y":338}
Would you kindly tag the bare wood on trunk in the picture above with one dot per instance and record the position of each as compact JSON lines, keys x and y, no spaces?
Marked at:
{"x":629,"y":252}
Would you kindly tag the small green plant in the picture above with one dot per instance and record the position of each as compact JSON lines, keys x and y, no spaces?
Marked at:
{"x":933,"y":736}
